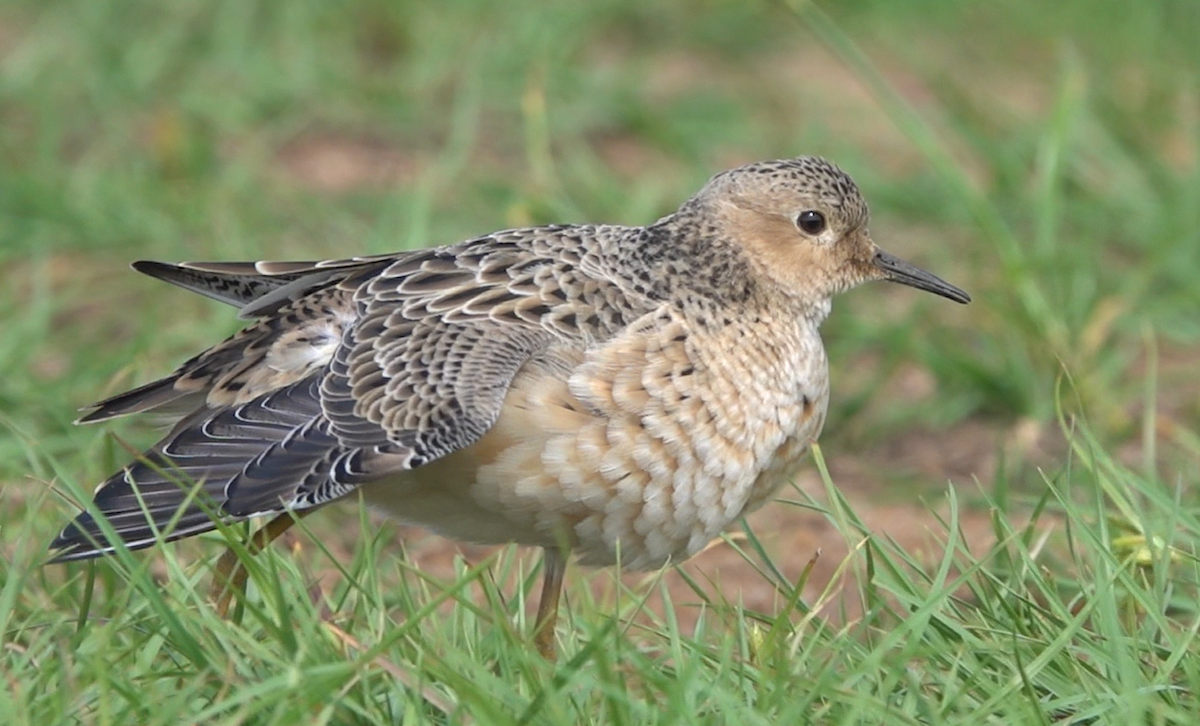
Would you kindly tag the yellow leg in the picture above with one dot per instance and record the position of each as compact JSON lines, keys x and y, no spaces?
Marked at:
{"x":230,"y":576}
{"x":554,"y":566}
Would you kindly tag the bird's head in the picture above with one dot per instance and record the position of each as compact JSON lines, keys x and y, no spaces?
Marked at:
{"x":804,"y":223}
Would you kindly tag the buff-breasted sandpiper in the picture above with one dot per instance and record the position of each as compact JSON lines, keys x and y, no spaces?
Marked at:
{"x":594,"y":388}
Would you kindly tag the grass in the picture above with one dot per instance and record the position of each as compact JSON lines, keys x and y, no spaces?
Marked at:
{"x":1044,"y":158}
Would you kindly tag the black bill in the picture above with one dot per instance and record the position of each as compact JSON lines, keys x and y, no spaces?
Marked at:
{"x":897,"y":270}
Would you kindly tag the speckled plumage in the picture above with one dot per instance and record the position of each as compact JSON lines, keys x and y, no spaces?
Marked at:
{"x":603,"y":387}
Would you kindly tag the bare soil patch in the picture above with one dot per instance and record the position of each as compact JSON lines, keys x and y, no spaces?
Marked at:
{"x":337,"y":163}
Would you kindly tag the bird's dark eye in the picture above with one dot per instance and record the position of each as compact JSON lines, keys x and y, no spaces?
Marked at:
{"x":811,"y":222}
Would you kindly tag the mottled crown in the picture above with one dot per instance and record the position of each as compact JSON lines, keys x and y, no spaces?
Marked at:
{"x":808,"y":176}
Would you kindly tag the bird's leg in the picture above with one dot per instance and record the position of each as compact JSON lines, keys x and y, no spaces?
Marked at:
{"x":554,"y":566}
{"x":230,"y":575}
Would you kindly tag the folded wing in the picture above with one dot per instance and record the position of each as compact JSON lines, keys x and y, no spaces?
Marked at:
{"x":375,"y":368}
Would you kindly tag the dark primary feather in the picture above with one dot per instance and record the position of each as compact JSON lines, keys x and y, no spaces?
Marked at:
{"x":161,"y":395}
{"x":237,"y":286}
{"x":258,"y":288}
{"x":209,"y":451}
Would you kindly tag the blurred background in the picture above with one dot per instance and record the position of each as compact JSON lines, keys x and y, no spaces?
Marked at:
{"x":1042,"y":156}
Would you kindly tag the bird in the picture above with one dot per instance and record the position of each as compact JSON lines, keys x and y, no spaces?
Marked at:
{"x":612,"y":394}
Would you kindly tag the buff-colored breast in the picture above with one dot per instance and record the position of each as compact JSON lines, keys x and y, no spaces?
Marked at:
{"x":642,"y":450}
